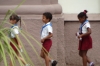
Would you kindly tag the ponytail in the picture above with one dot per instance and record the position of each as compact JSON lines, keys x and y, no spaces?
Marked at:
{"x":85,"y":11}
{"x":15,"y":17}
{"x":82,"y":14}
{"x":20,"y":21}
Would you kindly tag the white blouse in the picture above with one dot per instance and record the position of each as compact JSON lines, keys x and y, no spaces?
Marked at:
{"x":46,"y":30}
{"x":13,"y":31}
{"x":84,"y":28}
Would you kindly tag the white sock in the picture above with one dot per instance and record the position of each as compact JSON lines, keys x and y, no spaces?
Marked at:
{"x":91,"y":63}
{"x":52,"y":61}
{"x":27,"y":65}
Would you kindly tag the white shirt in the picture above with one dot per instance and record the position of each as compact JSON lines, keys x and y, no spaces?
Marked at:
{"x":84,"y":28}
{"x":46,"y":29}
{"x":13,"y":31}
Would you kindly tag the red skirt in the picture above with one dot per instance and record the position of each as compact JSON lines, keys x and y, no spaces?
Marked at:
{"x":85,"y":43}
{"x":47,"y":44}
{"x":13,"y":46}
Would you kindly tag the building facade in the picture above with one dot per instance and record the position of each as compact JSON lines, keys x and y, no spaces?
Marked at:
{"x":70,"y":9}
{"x":65,"y":25}
{"x":76,"y":6}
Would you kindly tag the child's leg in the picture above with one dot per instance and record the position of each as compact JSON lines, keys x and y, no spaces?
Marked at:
{"x":84,"y":57}
{"x":88,"y":60}
{"x":80,"y":53}
{"x":42,"y":54}
{"x":90,"y":63}
{"x":45,"y":56}
{"x":23,"y":61}
{"x":46,"y":60}
{"x":11,"y":63}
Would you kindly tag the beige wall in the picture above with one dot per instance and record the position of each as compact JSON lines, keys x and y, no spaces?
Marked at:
{"x":64,"y":48}
{"x":71,"y":44}
{"x":31,"y":6}
{"x":33,"y":24}
{"x":76,"y":6}
{"x":28,"y":2}
{"x":31,"y":12}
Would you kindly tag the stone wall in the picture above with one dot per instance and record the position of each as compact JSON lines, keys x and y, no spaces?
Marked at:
{"x":71,"y":44}
{"x":33,"y":26}
{"x":64,"y":48}
{"x":31,"y":12}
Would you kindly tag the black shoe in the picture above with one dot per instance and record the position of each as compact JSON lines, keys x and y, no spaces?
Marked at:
{"x":54,"y":63}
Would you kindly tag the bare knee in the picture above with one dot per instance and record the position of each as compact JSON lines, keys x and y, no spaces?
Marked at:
{"x":84,"y":54}
{"x":42,"y":54}
{"x":80,"y":54}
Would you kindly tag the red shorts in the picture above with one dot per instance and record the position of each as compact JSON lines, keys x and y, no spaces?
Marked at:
{"x":47,"y":44}
{"x":85,"y":43}
{"x":13,"y":46}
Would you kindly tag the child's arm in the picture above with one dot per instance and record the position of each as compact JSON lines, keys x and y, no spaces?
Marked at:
{"x":17,"y":37}
{"x":88,"y":33}
{"x":50,"y":31}
{"x":48,"y":37}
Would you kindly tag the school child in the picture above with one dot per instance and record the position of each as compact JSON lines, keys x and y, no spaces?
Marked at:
{"x":85,"y":40}
{"x":46,"y":34}
{"x":14,"y":31}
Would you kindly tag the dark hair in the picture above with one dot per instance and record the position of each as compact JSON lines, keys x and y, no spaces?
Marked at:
{"x":48,"y":15}
{"x":82,"y":14}
{"x":15,"y":17}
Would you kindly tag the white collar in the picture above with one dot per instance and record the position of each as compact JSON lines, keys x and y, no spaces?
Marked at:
{"x":47,"y":23}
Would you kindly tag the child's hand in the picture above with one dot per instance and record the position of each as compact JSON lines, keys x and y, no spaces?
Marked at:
{"x":42,"y":40}
{"x":80,"y":37}
{"x":19,"y":46}
{"x":76,"y":34}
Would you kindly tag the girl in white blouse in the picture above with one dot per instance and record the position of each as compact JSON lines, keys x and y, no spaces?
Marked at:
{"x":14,"y":31}
{"x":85,"y":40}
